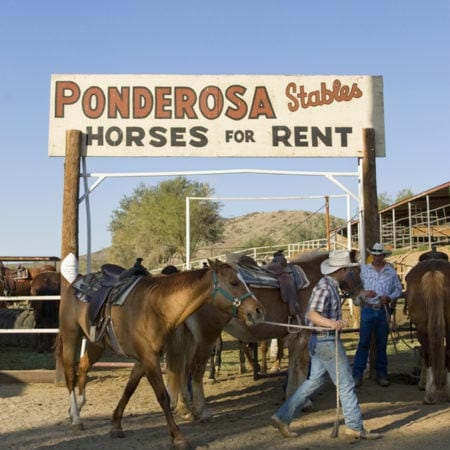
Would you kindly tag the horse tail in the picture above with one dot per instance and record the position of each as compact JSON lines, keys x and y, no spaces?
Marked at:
{"x":177,"y":347}
{"x":433,"y":291}
{"x":59,"y":349}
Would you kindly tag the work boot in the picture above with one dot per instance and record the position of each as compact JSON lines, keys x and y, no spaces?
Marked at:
{"x":282,"y":427}
{"x":363,"y":434}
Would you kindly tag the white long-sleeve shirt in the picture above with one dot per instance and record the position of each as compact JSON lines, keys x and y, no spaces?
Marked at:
{"x":383,"y":282}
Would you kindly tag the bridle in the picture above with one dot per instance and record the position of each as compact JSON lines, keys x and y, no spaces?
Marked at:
{"x":236,"y":301}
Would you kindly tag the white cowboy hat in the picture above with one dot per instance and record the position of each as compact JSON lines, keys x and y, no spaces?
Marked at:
{"x":337,"y":260}
{"x":379,"y":249}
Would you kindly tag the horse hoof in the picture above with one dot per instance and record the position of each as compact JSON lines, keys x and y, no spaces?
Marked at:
{"x":205,"y":417}
{"x":188,"y":416}
{"x":117,"y":434}
{"x":181,"y":444}
{"x":76,"y":427}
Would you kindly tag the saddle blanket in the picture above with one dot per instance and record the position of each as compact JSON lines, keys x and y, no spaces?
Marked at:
{"x":259,"y":277}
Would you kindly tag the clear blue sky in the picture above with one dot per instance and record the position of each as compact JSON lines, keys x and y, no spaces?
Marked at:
{"x":405,"y":41}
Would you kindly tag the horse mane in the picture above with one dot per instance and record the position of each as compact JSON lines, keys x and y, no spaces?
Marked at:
{"x":307,"y":257}
{"x":166,"y":285}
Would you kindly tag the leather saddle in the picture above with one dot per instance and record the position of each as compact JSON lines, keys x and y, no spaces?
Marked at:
{"x":110,"y":286}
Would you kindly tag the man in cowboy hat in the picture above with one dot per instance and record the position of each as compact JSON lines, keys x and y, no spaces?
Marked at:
{"x":382,"y":289}
{"x":324,"y":310}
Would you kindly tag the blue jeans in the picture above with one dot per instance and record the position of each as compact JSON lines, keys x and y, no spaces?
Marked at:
{"x":378,"y":321}
{"x":323,"y":361}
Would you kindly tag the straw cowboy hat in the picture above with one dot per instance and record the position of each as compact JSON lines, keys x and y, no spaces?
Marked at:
{"x":379,"y":249}
{"x":337,"y":260}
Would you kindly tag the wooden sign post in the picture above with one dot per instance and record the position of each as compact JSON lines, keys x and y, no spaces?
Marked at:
{"x":69,"y":241}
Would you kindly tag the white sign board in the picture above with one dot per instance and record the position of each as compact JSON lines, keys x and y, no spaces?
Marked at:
{"x":217,"y":115}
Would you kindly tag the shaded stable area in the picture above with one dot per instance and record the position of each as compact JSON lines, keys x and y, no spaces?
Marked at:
{"x":423,"y":219}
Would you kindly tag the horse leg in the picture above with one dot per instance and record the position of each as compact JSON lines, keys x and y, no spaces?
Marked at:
{"x":67,"y":347}
{"x":182,"y":391}
{"x":137,"y":372}
{"x":218,"y":354}
{"x":430,"y":386}
{"x":447,"y":353}
{"x":198,"y":368}
{"x":264,"y":347}
{"x":88,"y":359}
{"x":153,"y":373}
{"x":242,"y":353}
{"x":276,"y":366}
{"x":212,"y":367}
{"x":215,"y":359}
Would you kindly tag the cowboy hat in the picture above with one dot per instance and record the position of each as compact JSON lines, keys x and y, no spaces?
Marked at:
{"x":379,"y":249}
{"x":337,"y":260}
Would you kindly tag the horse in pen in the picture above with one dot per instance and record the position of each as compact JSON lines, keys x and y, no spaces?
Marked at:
{"x":34,"y":281}
{"x":139,"y":326}
{"x":428,"y":304}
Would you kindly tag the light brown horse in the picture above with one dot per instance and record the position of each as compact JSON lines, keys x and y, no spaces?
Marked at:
{"x":154,"y":307}
{"x":428,"y":304}
{"x":190,"y":346}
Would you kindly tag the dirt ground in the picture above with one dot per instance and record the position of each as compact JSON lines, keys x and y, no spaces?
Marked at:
{"x":34,"y":416}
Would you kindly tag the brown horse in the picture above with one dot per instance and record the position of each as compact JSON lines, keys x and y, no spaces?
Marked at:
{"x":154,"y":307}
{"x":428,"y":303}
{"x":46,"y":311}
{"x":17,"y":282}
{"x":190,"y":346}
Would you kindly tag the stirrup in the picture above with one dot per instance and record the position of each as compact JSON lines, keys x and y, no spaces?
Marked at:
{"x":299,"y":322}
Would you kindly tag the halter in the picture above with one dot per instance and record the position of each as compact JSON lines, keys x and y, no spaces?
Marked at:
{"x":236,"y":301}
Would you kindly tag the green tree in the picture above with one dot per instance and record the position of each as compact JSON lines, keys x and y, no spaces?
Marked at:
{"x":259,"y":241}
{"x":384,"y":200}
{"x":151,"y":223}
{"x":404,"y":194}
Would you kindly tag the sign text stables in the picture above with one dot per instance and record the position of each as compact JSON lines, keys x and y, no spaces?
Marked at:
{"x":166,"y":103}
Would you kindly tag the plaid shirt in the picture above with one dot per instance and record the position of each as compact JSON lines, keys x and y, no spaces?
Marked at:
{"x":384,"y":282}
{"x":325,"y":299}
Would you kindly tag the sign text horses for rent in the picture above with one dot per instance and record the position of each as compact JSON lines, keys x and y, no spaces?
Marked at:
{"x":217,"y":115}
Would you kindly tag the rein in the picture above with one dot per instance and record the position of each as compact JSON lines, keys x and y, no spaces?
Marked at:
{"x":236,"y":301}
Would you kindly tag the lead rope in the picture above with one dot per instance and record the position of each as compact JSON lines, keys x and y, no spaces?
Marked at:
{"x":335,"y":431}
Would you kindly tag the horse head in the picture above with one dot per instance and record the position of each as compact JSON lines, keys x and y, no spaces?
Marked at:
{"x":352,"y":286}
{"x":230,"y":292}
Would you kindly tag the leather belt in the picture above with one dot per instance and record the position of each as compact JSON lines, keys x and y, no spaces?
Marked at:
{"x":376,"y":307}
{"x":324,"y":333}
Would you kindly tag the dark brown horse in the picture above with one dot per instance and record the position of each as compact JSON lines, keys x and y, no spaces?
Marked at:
{"x":17,"y":282}
{"x":154,"y":307}
{"x":45,"y":311}
{"x":33,"y":281}
{"x":190,"y":346}
{"x":428,"y":303}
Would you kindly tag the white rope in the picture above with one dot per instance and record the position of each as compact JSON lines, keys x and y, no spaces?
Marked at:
{"x":297,"y":326}
{"x":335,"y":431}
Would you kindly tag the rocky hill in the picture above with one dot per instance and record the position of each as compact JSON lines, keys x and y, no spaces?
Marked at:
{"x":278,"y":227}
